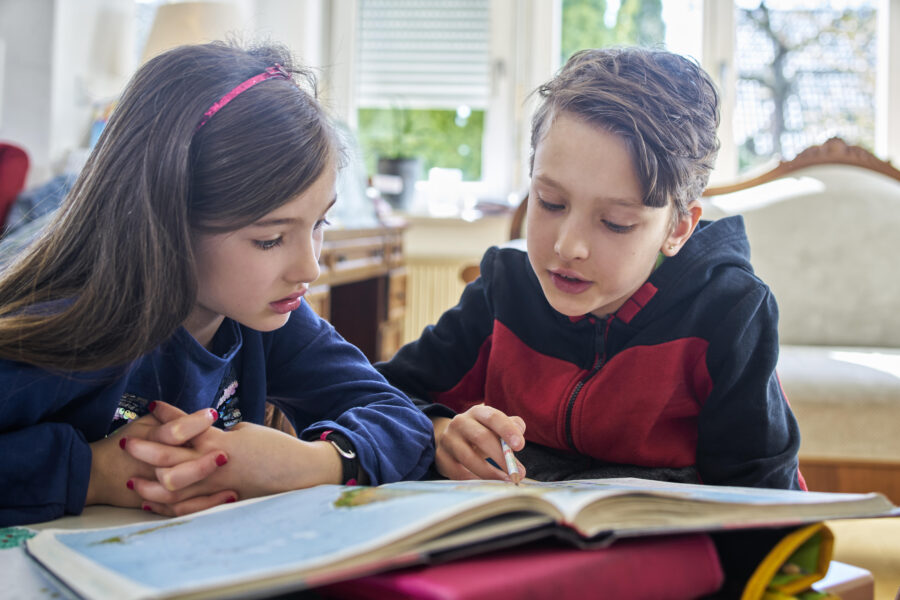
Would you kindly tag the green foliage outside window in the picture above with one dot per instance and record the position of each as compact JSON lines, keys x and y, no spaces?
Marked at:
{"x":441,"y":138}
{"x":584,"y":25}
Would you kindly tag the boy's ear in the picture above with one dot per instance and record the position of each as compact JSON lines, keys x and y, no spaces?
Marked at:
{"x":682,"y":230}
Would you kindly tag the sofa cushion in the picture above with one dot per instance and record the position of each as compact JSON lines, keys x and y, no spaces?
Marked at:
{"x":846,"y":399}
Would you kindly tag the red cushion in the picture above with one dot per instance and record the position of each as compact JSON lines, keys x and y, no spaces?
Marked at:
{"x":13,"y":169}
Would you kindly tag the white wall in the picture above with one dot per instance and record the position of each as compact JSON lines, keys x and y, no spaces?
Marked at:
{"x":61,"y":56}
{"x":297,"y":23}
{"x":26,"y":27}
{"x":93,"y":58}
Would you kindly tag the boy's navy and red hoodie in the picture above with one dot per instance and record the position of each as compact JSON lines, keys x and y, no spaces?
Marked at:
{"x":677,"y":384}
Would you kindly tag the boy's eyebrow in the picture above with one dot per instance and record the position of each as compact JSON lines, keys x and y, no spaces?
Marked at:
{"x":287,"y":220}
{"x":621,"y":200}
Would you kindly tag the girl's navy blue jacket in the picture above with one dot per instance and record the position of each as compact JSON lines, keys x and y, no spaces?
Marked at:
{"x":305,"y":368}
{"x":681,"y":379}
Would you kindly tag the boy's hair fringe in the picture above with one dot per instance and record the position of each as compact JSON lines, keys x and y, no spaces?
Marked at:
{"x":663,"y":105}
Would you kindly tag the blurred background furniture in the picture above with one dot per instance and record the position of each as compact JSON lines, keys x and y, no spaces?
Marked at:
{"x":874,"y":545}
{"x":13,"y":170}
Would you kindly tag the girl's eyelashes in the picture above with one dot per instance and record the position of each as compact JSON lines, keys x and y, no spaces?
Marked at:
{"x":269,"y":244}
{"x":274,"y":243}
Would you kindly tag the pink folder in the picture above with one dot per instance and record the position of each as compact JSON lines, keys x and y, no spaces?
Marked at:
{"x":657,"y":568}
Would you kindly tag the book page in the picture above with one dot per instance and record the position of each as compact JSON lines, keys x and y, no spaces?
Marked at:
{"x":631,"y":506}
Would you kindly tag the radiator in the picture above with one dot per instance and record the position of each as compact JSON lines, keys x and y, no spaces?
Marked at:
{"x":433,"y":286}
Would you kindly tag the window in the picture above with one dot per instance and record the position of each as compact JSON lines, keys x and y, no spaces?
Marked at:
{"x":839,"y":61}
{"x":792,"y":72}
{"x":423,"y":82}
{"x":805,"y":73}
{"x":598,"y":23}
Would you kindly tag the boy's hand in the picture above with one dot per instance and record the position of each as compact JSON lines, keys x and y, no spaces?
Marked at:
{"x":255,"y":461}
{"x":464,"y":442}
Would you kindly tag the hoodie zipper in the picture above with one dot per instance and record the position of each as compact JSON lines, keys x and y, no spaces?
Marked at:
{"x":599,"y":360}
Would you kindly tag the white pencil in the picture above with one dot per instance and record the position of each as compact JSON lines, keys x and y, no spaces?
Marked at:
{"x":512,"y":467}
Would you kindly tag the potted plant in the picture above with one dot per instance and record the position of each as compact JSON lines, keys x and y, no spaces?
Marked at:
{"x":398,"y":170}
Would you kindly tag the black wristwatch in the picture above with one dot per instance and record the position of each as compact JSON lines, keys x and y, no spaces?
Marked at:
{"x":349,"y":461}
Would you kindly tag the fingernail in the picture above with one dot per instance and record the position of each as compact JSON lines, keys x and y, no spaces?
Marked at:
{"x":230,"y":499}
{"x":146,"y":507}
{"x":214,"y":414}
{"x":221,"y":460}
{"x":130,"y":484}
{"x":151,"y":406}
{"x":122,"y":443}
{"x":516,"y":441}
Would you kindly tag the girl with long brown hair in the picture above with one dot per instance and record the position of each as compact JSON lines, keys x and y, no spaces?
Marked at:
{"x":143,"y":332}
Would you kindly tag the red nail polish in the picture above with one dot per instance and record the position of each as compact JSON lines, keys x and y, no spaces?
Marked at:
{"x":151,"y":406}
{"x":122,"y":443}
{"x":146,"y":507}
{"x":221,"y":459}
{"x":214,"y":414}
{"x":130,"y":484}
{"x":230,"y":499}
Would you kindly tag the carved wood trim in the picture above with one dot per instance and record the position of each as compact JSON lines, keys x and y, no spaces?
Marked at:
{"x":835,"y":151}
{"x":518,"y":219}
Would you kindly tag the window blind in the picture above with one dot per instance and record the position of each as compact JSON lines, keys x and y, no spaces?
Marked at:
{"x":423,"y":53}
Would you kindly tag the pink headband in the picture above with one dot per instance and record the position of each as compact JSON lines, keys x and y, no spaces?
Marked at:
{"x":276,"y":72}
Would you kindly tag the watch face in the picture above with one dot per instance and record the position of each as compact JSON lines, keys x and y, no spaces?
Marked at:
{"x":342,"y":446}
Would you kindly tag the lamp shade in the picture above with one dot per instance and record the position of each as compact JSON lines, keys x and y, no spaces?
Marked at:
{"x":190,"y":23}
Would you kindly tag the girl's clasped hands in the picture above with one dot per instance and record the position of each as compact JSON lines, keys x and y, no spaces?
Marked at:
{"x":174,"y":463}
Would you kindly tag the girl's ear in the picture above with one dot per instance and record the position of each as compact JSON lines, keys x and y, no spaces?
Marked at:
{"x":682,"y":230}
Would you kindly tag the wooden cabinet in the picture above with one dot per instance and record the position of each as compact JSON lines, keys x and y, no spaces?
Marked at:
{"x":362,"y":288}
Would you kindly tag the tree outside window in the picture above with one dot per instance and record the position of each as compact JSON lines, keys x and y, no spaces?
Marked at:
{"x":805,"y":73}
{"x":598,"y":24}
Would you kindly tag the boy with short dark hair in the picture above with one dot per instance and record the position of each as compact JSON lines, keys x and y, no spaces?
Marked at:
{"x":631,"y":338}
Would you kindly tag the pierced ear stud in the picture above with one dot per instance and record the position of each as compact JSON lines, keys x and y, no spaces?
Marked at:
{"x":671,"y":247}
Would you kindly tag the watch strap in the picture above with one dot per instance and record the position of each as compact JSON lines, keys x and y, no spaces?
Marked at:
{"x":347,"y":454}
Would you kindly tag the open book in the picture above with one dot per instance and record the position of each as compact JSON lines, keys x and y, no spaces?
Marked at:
{"x":310,"y":537}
